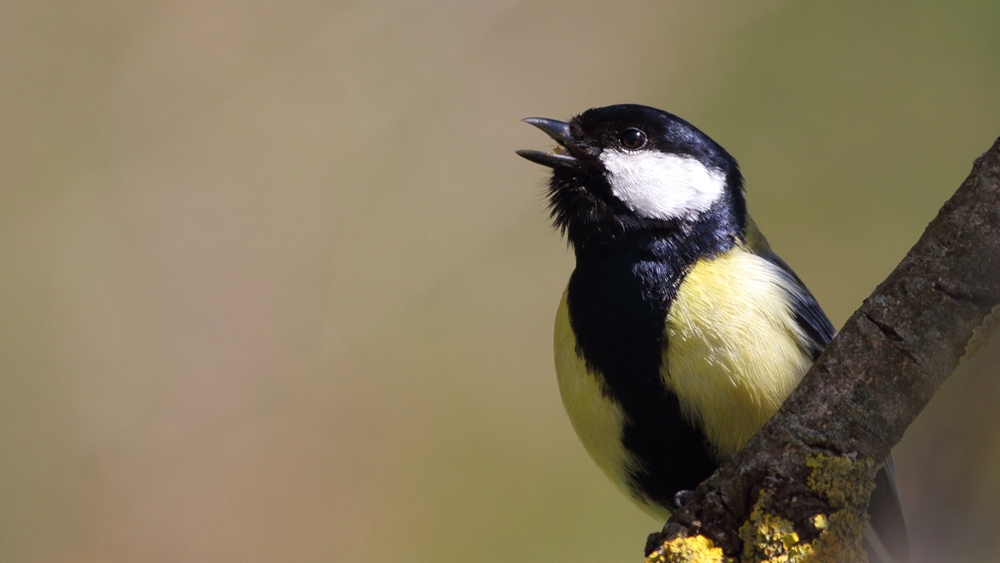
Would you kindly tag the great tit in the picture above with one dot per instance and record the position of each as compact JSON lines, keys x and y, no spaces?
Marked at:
{"x":680,"y":332}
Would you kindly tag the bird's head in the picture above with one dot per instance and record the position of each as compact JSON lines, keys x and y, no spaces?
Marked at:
{"x":626,"y":168}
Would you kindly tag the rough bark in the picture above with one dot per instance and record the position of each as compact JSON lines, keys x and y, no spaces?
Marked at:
{"x":800,"y":487}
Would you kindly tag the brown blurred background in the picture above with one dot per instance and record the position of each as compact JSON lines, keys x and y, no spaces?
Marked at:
{"x":275,"y":287}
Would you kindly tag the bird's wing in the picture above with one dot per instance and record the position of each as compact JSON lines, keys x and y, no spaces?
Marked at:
{"x":811,"y":319}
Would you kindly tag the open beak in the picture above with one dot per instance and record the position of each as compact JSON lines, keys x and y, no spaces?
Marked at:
{"x":563,"y":154}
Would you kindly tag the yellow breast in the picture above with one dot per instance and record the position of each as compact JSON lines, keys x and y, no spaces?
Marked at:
{"x":733,"y":352}
{"x":597,"y":419}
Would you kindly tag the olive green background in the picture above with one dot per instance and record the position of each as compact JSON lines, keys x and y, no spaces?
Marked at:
{"x":275,"y":287}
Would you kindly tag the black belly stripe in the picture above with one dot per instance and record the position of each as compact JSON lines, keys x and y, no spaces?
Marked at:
{"x":618,"y":305}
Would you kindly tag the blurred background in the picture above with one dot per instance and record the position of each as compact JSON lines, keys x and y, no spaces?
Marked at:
{"x":275,"y":287}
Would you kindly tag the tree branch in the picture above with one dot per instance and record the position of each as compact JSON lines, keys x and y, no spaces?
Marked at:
{"x":800,"y":487}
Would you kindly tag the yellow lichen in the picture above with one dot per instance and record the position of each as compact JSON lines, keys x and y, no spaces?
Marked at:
{"x":789,"y":540}
{"x":842,"y":480}
{"x":694,"y":549}
{"x":845,"y":483}
{"x":771,"y":539}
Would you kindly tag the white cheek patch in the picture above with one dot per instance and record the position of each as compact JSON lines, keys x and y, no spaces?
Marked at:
{"x":662,"y":186}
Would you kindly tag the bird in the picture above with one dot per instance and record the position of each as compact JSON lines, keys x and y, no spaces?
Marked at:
{"x":680,"y":332}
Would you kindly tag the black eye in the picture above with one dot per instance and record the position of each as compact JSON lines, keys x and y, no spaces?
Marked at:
{"x":632,"y":139}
